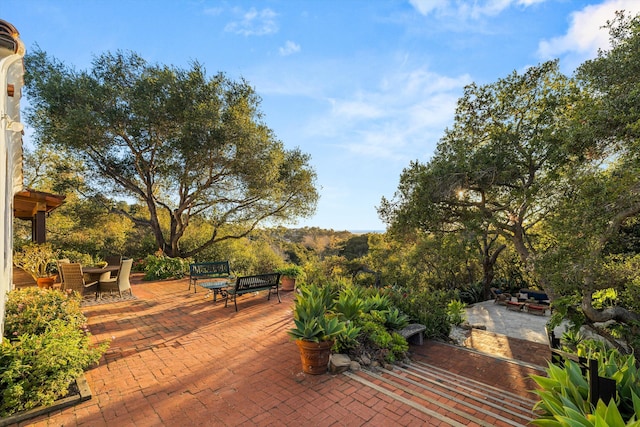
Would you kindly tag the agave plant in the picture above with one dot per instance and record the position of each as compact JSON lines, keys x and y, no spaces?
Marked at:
{"x":348,"y":305}
{"x":312,"y":315}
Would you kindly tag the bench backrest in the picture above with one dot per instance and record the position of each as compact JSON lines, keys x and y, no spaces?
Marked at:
{"x":259,"y":281}
{"x":209,"y":269}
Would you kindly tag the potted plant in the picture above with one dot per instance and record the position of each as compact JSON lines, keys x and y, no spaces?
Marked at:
{"x":38,"y":259}
{"x":315,"y":327}
{"x":289,"y":274}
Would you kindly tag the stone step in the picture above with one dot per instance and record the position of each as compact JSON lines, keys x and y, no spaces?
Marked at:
{"x":447,"y":397}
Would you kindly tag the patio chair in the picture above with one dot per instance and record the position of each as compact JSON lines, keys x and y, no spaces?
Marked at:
{"x":113,"y":260}
{"x":500,"y":297}
{"x":58,"y":262}
{"x":121,"y":282}
{"x":74,"y":279}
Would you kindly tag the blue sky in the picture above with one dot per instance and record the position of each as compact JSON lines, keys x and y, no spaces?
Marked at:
{"x":364,"y":87}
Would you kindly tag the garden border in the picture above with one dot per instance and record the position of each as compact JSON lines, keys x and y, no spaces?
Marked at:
{"x":83,"y":394}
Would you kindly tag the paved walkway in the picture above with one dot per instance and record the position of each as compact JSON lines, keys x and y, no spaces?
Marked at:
{"x":178,"y":359}
{"x":514,"y":324}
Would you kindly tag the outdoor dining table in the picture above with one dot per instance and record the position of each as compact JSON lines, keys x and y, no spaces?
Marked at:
{"x":99,"y":273}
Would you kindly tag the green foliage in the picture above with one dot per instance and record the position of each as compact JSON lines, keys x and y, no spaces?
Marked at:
{"x":348,"y":339}
{"x":312,"y":315}
{"x":564,"y":394}
{"x":605,"y":298}
{"x":376,"y":302}
{"x":291,"y":270}
{"x":456,"y":312}
{"x":164,"y":267}
{"x":170,"y":129}
{"x":472,"y":293}
{"x":31,"y":310}
{"x":348,"y":306}
{"x":565,"y":308}
{"x":336,"y":311}
{"x":355,"y":247}
{"x":45,"y":348}
{"x":395,"y":319}
{"x":398,"y":348}
{"x":390,"y":345}
{"x":76,"y":256}
{"x":36,"y":259}
{"x":316,"y":329}
{"x":426,"y":306}
{"x":492,"y":178}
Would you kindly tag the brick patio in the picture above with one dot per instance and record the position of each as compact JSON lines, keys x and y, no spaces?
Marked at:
{"x":178,"y":359}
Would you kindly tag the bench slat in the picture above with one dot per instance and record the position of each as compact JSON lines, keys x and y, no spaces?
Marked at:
{"x":206,"y":271}
{"x":258,"y":282}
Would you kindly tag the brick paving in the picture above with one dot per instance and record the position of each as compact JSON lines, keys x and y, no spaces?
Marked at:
{"x":178,"y":359}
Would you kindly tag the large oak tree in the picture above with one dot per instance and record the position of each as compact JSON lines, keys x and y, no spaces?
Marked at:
{"x":495,"y":172}
{"x":181,"y":143}
{"x":604,"y":201}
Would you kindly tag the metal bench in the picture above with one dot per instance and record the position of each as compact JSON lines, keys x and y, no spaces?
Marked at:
{"x":209,"y":274}
{"x":259,"y":282}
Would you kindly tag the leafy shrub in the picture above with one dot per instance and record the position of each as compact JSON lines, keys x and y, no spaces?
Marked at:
{"x":564,"y":394}
{"x":426,"y":306}
{"x":348,"y":339}
{"x":377,"y":301}
{"x":390,"y":346}
{"x":399,"y":347}
{"x":291,"y":270}
{"x":456,"y":312}
{"x":31,"y":310}
{"x":395,"y":319}
{"x":472,"y":293}
{"x":75,"y":256}
{"x":164,"y":267}
{"x":44,"y":349}
{"x":37,"y":259}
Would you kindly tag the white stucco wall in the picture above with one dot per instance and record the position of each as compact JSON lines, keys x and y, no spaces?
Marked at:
{"x":11,"y":73}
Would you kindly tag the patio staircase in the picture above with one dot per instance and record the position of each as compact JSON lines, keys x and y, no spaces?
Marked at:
{"x":447,"y":398}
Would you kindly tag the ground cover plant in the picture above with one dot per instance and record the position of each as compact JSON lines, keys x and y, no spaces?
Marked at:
{"x":45,"y":347}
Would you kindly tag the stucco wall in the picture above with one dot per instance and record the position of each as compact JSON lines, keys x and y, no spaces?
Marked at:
{"x":11,"y":73}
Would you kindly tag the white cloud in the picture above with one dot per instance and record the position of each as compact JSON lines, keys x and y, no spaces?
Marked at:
{"x":465,"y":8}
{"x":406,"y":115}
{"x":585,"y":34}
{"x":289,"y":48}
{"x":213,"y":11}
{"x":424,"y":7}
{"x":254,"y":23}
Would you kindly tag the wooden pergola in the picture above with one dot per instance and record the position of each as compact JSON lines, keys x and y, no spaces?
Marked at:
{"x":32,"y":205}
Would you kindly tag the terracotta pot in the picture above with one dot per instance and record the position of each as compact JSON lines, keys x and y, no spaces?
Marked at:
{"x":287,"y":283}
{"x":45,"y":282}
{"x":314,"y":356}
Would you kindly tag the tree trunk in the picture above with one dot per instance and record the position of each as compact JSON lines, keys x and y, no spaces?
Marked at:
{"x":488,"y":265}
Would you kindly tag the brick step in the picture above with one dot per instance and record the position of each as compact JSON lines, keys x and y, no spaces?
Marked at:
{"x":473,"y":390}
{"x":447,"y":397}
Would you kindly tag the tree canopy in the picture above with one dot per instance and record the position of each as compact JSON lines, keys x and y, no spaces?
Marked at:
{"x":495,"y":171}
{"x":549,"y":164}
{"x":181,"y":143}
